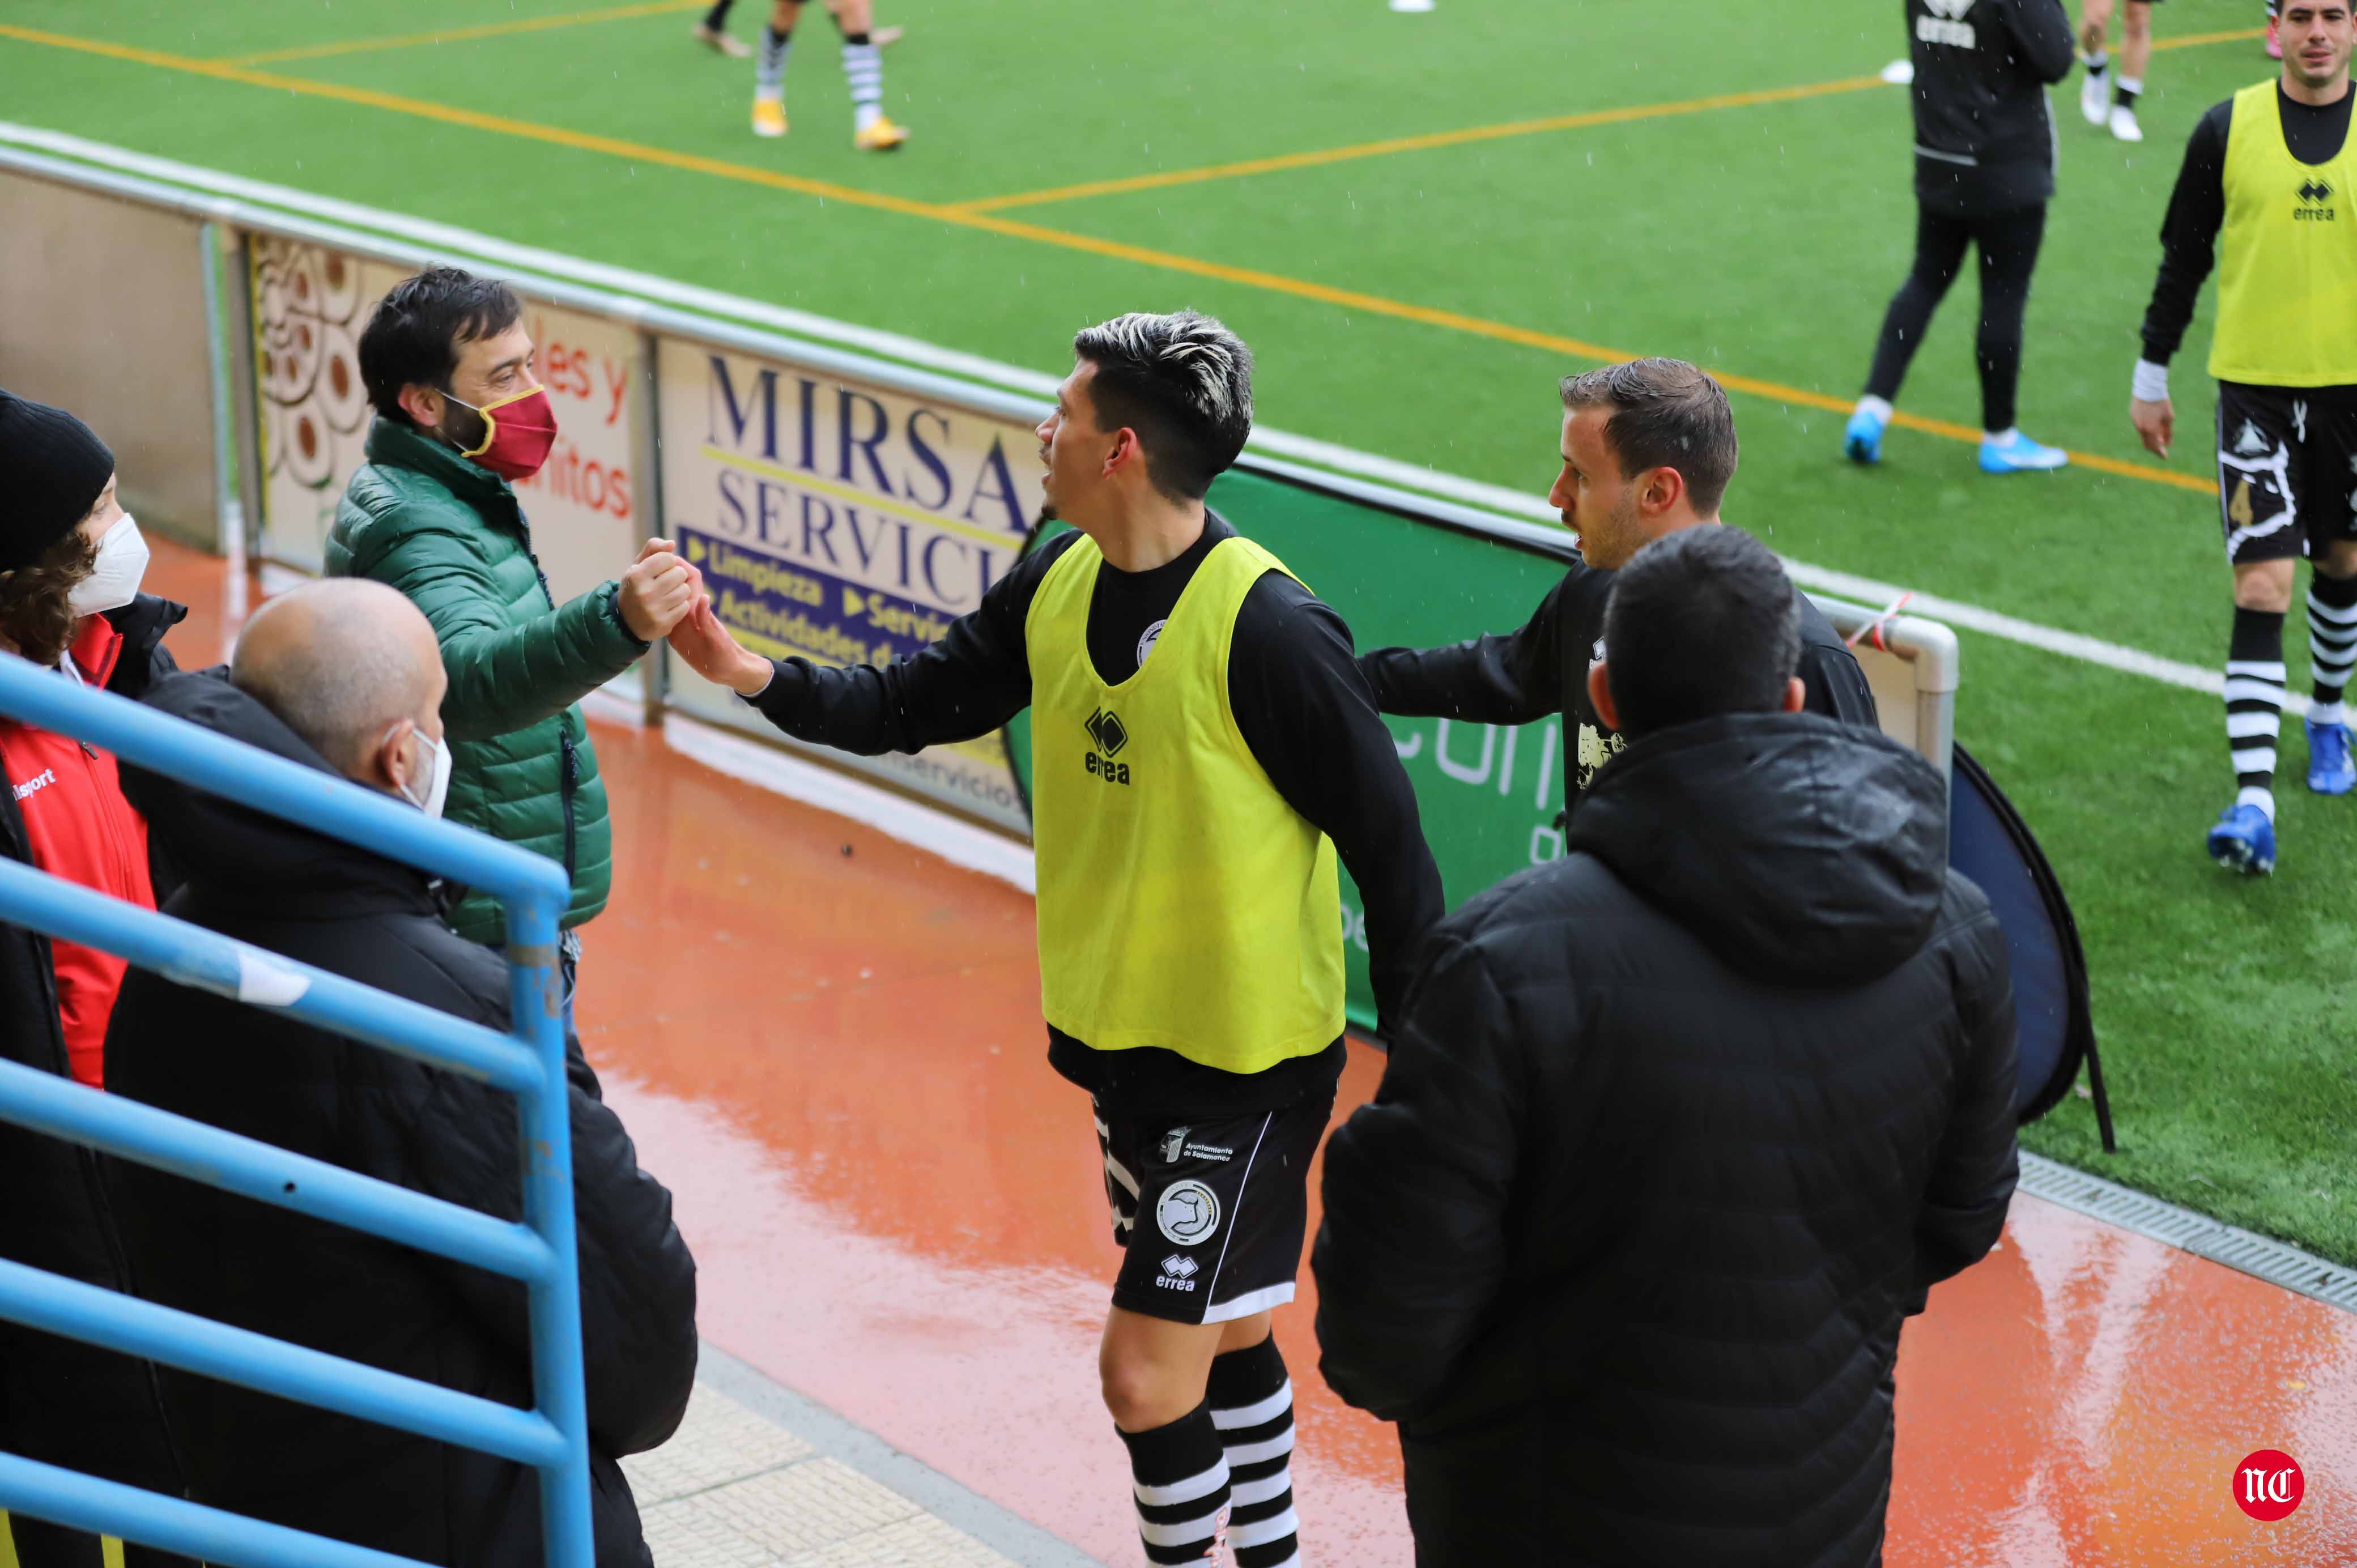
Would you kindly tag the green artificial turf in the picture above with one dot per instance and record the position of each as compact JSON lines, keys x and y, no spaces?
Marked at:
{"x":1762,"y":240}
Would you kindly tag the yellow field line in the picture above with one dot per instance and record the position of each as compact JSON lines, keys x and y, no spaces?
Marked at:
{"x":1013,"y":227}
{"x":1418,"y":144}
{"x":1324,"y":156}
{"x":460,"y":34}
{"x":2193,"y":41}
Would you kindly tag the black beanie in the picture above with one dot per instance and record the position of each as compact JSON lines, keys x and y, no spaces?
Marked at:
{"x":52,"y":470}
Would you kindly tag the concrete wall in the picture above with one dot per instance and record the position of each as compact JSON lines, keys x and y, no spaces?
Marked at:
{"x":102,"y":313}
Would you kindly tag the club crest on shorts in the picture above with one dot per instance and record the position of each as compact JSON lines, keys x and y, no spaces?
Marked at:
{"x":1187,"y":1211}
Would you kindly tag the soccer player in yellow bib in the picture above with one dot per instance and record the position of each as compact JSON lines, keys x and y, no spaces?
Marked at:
{"x":1203,"y":745}
{"x":2270,"y":178}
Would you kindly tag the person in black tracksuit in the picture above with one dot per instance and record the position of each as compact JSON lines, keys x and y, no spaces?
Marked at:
{"x":1648,"y":448}
{"x":272,"y":1077}
{"x":1679,"y":1128}
{"x":1985,"y":154}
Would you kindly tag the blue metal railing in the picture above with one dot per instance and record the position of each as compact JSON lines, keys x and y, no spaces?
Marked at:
{"x":529,"y":1062}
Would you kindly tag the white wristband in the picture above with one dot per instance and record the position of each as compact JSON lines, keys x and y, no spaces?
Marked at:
{"x":2150,"y":383}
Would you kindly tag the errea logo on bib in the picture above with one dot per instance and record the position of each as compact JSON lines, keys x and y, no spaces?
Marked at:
{"x":1109,"y":735}
{"x":1946,"y":25}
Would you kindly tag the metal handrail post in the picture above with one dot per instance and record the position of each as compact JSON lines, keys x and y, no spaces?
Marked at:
{"x":535,"y":1004}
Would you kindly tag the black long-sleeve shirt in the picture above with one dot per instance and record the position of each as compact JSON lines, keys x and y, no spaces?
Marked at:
{"x":1302,"y":708}
{"x":1520,"y":677}
{"x":1984,"y":132}
{"x":2196,"y":208}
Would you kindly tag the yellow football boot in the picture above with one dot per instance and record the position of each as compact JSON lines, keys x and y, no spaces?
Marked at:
{"x":882,"y":136}
{"x":769,"y":117}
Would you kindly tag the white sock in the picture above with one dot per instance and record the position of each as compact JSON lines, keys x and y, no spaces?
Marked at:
{"x":1878,"y":407}
{"x":2001,"y":436}
{"x":2329,"y":714}
{"x":863,"y":68}
{"x":2098,"y":62}
{"x":2265,"y":800}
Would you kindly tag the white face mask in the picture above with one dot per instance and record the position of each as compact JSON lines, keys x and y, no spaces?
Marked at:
{"x":114,"y":581}
{"x":438,"y":790}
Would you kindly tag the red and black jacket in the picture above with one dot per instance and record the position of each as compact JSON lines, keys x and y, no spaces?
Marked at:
{"x":63,"y":1403}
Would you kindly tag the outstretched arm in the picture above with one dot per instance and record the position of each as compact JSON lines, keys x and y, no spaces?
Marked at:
{"x":507,"y":677}
{"x":971,"y":682}
{"x":1513,"y":678}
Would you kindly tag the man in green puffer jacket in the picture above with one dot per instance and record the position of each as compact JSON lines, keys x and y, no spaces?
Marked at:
{"x":448,"y":366}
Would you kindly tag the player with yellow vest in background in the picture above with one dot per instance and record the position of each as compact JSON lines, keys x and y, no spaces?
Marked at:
{"x":1203,"y":745}
{"x":2271,"y":180}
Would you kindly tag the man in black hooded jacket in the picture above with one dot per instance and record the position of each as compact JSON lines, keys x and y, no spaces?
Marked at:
{"x":1679,"y":1127}
{"x":345,"y":677}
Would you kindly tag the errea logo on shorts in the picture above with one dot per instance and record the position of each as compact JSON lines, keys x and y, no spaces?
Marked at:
{"x":1947,"y":25}
{"x":36,"y":783}
{"x":1178,"y":1272}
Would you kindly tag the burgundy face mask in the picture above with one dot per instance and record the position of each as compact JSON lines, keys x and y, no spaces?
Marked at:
{"x":517,"y":434}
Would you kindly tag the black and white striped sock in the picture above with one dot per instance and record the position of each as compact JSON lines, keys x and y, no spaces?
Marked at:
{"x":1252,"y":1404}
{"x":863,"y":68}
{"x":2332,"y":642}
{"x":1179,"y":1480}
{"x":770,"y":65}
{"x":2255,"y":703}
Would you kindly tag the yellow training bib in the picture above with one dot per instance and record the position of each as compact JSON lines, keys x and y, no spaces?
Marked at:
{"x":1182,"y":902}
{"x":2287,"y":266}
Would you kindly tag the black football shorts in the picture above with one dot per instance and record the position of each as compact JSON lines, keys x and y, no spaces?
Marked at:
{"x":2286,"y":470}
{"x":1210,"y":1213}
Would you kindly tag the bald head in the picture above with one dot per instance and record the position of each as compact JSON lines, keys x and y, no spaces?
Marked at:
{"x":344,"y":662}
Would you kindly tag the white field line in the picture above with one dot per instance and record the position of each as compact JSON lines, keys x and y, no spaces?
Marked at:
{"x":1496,"y":498}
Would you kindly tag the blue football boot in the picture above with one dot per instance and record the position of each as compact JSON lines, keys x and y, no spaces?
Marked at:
{"x":2018,"y":454}
{"x":2329,"y":771}
{"x":2244,"y":840}
{"x":1862,"y":442}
